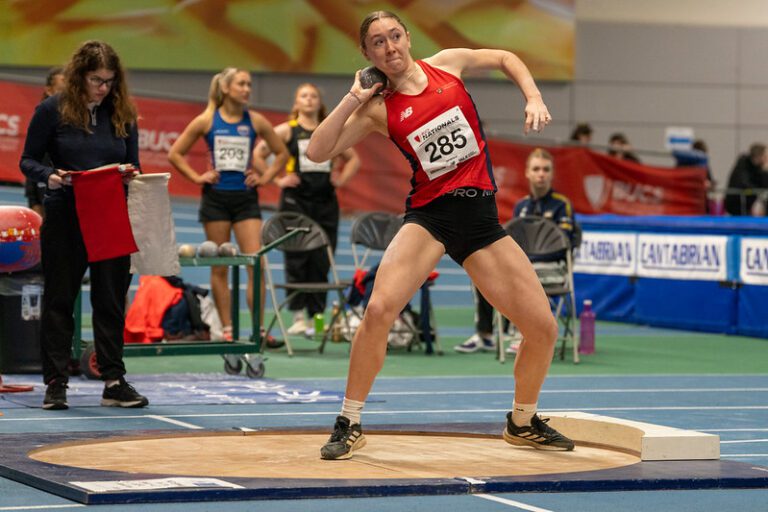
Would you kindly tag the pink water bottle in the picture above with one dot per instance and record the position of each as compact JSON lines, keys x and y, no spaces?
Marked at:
{"x":587,"y":329}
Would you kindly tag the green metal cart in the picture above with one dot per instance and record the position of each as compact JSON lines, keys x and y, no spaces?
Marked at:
{"x":237,"y":354}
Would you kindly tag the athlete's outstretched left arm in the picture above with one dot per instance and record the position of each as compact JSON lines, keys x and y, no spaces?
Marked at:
{"x":460,"y":60}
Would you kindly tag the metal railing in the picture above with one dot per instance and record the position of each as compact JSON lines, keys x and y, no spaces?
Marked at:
{"x":758,"y":208}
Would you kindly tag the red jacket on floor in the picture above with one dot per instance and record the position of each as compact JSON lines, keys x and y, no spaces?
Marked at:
{"x":143,"y":323}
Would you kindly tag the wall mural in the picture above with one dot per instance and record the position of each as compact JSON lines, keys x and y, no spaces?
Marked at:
{"x":306,"y":36}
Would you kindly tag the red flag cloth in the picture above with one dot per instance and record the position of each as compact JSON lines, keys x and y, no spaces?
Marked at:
{"x":102,"y":211}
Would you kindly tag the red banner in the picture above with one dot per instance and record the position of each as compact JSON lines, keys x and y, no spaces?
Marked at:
{"x":598,"y":183}
{"x":594,"y":182}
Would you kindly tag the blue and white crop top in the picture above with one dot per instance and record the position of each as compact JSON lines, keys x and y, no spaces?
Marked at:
{"x":231,"y":146}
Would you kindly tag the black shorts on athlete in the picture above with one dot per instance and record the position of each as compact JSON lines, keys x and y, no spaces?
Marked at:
{"x":230,"y":205}
{"x":464,"y":221}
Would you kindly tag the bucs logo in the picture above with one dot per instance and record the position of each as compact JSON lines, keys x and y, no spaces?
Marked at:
{"x":597,"y":189}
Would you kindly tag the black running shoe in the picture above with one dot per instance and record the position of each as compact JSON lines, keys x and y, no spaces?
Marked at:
{"x":345,"y":439}
{"x":122,"y":395}
{"x":539,"y":435}
{"x":270,"y":341}
{"x":56,"y":396}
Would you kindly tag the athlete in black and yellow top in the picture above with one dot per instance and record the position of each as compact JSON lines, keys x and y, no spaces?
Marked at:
{"x":310,"y":188}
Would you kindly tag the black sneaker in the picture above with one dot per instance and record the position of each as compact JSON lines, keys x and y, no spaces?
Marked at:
{"x":539,"y":435}
{"x":56,"y":396}
{"x":122,"y":395}
{"x":345,"y":439}
{"x":270,"y":341}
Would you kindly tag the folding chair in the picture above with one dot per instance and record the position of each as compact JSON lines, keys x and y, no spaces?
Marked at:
{"x":548,"y":247}
{"x":374,"y":231}
{"x":312,"y":237}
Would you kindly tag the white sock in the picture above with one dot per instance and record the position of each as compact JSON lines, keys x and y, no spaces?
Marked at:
{"x":522,"y":414}
{"x":351,"y":409}
{"x":298,"y":316}
{"x":110,"y":383}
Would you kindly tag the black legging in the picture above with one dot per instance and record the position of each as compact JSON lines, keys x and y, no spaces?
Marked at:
{"x":64,"y":262}
{"x":312,"y":266}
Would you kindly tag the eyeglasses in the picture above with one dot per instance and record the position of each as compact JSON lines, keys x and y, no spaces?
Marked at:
{"x":98,"y":81}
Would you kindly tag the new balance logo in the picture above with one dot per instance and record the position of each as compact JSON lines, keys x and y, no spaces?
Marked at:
{"x":405,"y":114}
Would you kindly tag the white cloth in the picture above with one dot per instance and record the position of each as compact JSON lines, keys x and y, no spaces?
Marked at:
{"x":149,"y":208}
{"x":211,"y":317}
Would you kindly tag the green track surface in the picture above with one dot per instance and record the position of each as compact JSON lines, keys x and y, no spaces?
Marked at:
{"x":622,"y":349}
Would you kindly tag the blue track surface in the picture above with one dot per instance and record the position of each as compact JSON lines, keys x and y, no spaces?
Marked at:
{"x":734,"y":407}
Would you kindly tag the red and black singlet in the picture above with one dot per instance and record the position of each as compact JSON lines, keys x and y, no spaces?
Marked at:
{"x":439,"y":133}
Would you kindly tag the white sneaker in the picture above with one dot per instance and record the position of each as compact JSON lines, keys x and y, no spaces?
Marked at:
{"x":299,"y":327}
{"x":513,"y":348}
{"x":475,"y":343}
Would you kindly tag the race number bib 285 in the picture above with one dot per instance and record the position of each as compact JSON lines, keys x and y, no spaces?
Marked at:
{"x":231,"y":152}
{"x":444,"y":142}
{"x":307,"y":165}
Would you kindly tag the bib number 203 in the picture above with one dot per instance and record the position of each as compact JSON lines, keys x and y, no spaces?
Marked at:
{"x":231,"y":153}
{"x":444,"y":146}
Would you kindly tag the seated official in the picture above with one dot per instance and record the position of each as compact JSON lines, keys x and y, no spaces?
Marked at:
{"x":542,"y":202}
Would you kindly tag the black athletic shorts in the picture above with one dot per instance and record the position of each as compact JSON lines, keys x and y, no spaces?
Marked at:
{"x":231,"y":205}
{"x":463,"y":220}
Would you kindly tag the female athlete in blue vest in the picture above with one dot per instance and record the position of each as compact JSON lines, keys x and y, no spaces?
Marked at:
{"x":230,"y":200}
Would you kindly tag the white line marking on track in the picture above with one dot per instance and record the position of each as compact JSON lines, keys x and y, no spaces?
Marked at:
{"x":511,"y":503}
{"x":730,"y":429}
{"x":335,"y":412}
{"x":471,"y":480}
{"x":580,"y":391}
{"x":41,"y":507}
{"x":175,"y":422}
{"x":733,"y":455}
{"x":739,"y":441}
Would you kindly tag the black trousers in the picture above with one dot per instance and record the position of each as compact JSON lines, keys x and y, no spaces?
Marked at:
{"x":484,"y":314}
{"x":311,"y":266}
{"x":64,"y":262}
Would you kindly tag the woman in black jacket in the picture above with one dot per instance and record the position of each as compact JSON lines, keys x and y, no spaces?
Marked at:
{"x":92,"y":123}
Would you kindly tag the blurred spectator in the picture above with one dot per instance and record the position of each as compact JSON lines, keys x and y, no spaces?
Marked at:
{"x":748,"y":173}
{"x":619,"y":147}
{"x":582,"y":133}
{"x":696,"y":157}
{"x":34,"y":191}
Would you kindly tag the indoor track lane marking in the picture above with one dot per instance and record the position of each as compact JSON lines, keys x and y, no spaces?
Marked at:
{"x":174,"y":422}
{"x":335,"y":412}
{"x":40,"y":507}
{"x":730,"y":429}
{"x":567,"y":391}
{"x":511,"y":503}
